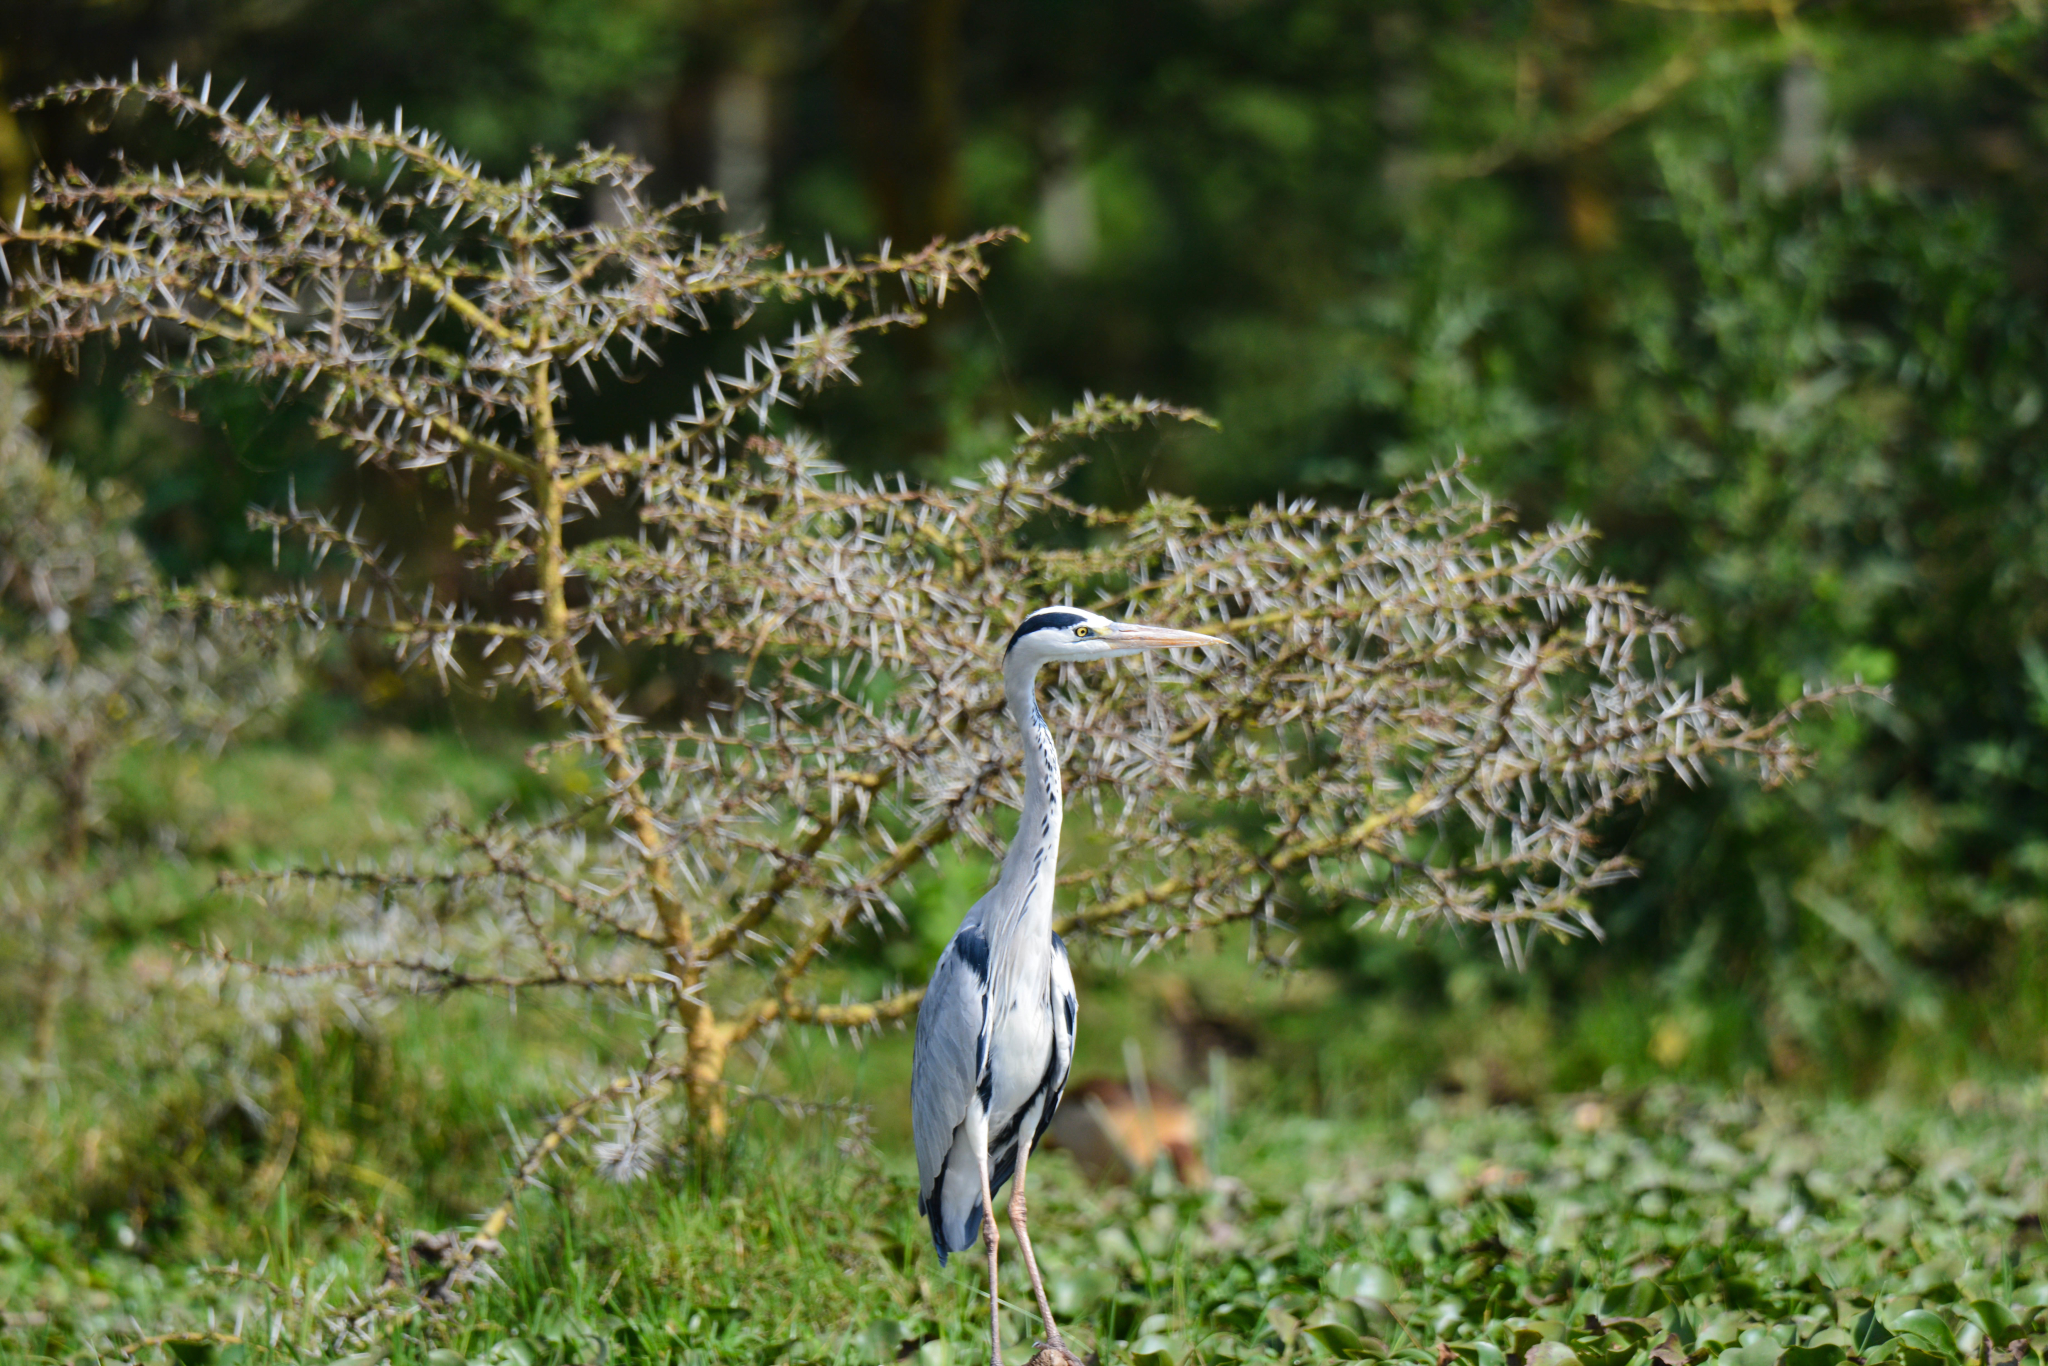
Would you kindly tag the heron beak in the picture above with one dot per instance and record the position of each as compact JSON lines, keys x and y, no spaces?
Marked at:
{"x":1134,"y":637}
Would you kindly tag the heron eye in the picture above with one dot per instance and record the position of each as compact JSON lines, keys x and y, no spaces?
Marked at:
{"x":1083,"y":632}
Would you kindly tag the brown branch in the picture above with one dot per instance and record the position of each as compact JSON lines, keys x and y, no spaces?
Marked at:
{"x":774,"y":1000}
{"x":852,"y":1014}
{"x":560,"y":1131}
{"x":444,"y":978}
{"x":1287,"y":855}
{"x":1678,"y":71}
{"x":787,"y":873}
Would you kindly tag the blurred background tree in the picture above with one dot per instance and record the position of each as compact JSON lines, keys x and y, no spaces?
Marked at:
{"x":92,"y":666}
{"x":1754,"y":285}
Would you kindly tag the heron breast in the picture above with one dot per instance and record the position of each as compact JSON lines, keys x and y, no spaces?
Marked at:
{"x":1019,"y":1048}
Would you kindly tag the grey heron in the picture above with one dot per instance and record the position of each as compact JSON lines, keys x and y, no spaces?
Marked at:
{"x":995,"y":1031}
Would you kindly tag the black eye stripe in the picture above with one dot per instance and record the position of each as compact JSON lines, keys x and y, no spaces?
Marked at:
{"x":1051,"y":619}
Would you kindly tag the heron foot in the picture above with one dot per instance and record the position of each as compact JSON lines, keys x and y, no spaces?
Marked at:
{"x":1053,"y":1354}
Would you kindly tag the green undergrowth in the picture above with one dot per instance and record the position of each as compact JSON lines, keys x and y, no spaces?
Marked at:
{"x":166,"y":1151}
{"x":1651,"y":1228}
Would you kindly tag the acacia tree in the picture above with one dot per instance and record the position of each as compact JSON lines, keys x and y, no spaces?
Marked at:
{"x":1433,"y":712}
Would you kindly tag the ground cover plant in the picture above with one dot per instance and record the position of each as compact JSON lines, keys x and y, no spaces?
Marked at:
{"x":1435,"y":713}
{"x":1645,"y":1228}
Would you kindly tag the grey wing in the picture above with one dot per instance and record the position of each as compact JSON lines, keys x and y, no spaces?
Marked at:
{"x":952,"y":1046}
{"x":1066,"y":1008}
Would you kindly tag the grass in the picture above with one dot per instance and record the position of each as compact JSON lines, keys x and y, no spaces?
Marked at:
{"x":1403,"y":1183}
{"x":1749,"y":1230}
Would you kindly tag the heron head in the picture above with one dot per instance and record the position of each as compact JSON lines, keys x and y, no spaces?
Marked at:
{"x":1071,"y":634}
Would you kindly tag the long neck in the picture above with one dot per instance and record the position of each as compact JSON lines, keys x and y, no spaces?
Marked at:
{"x":1033,"y":860}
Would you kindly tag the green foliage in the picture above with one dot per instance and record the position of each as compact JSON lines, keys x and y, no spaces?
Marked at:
{"x":1813,"y":427}
{"x":1759,"y":299}
{"x":178,"y":1146}
{"x":90,"y":661}
{"x":93,"y":666}
{"x":166,"y":1133}
{"x":1756,"y":293}
{"x":1657,"y":1228}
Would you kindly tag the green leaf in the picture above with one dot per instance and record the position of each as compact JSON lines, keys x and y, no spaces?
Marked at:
{"x":1927,"y":1330}
{"x":1606,"y":1351}
{"x":1635,"y":1330}
{"x":1723,"y":1330}
{"x":1997,"y":1321}
{"x":1362,"y":1281}
{"x":1765,"y":1353}
{"x":1550,"y":1354}
{"x":1334,"y":1333}
{"x":1870,"y":1332}
{"x":1524,"y":1334}
{"x":1821,"y":1354}
{"x":1478,"y":1353}
{"x":1154,"y":1349}
{"x":1339,"y":1325}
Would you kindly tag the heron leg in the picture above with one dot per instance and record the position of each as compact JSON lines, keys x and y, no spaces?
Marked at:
{"x":1017,"y":1220}
{"x":988,"y":1236}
